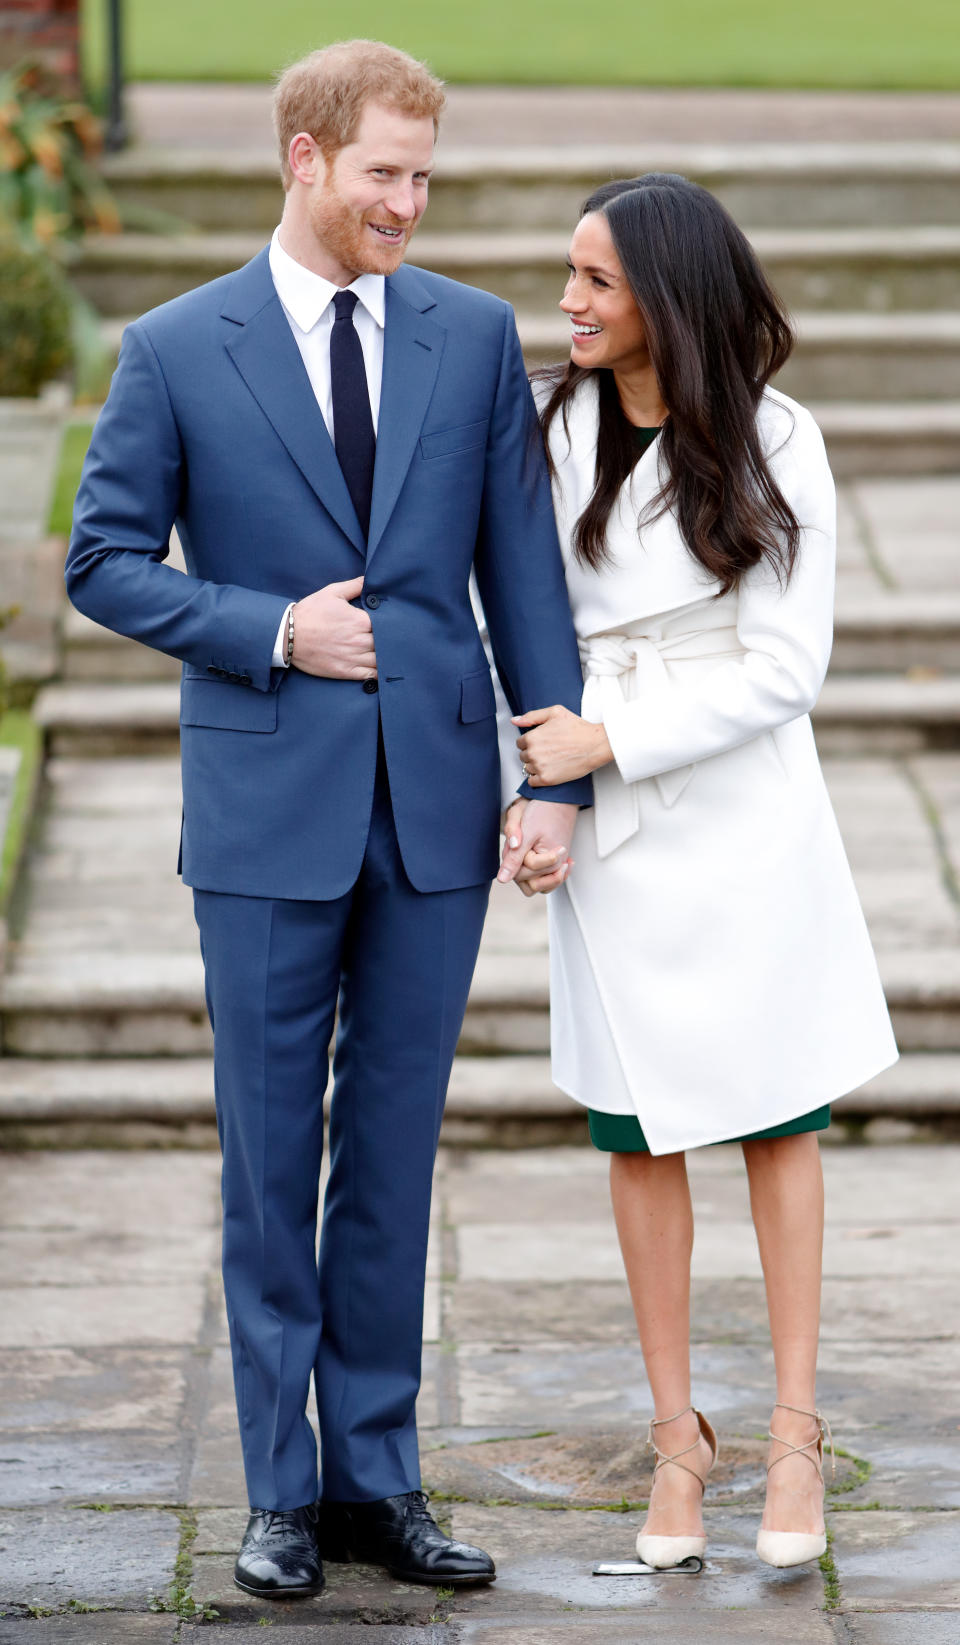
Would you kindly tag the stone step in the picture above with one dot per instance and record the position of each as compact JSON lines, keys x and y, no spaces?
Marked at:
{"x":864,"y":437}
{"x":500,"y":1101}
{"x":92,"y":652}
{"x":110,"y":719}
{"x":129,"y":1004}
{"x":836,"y":268}
{"x":839,"y":356}
{"x":895,"y":633}
{"x":784,"y":184}
{"x":886,"y":633}
{"x":857,"y":713}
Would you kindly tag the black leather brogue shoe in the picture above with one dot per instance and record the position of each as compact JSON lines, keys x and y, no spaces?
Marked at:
{"x":279,"y":1557}
{"x":399,"y":1534}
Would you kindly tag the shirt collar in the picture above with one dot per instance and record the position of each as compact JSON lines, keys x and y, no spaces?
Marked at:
{"x":306,"y":295}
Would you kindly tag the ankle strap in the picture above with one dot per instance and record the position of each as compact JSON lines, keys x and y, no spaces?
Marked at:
{"x":823,"y":1429}
{"x":703,"y":1431}
{"x":656,"y":1422}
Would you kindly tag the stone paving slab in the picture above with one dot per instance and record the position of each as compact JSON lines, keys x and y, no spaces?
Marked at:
{"x":679,"y":1627}
{"x":546,"y":1556}
{"x":866,"y":1384}
{"x":353,"y":1593}
{"x":96,"y":1316}
{"x":78,"y":1389}
{"x":127,"y":1466}
{"x":103,"y":1628}
{"x":599,"y":1310}
{"x":116,"y":1559}
{"x":54,"y":1191}
{"x":908,"y":1628}
{"x":898,"y":1561}
{"x":322,"y":1632}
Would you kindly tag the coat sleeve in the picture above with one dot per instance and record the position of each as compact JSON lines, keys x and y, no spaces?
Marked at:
{"x":785,"y":627}
{"x":126,"y":506}
{"x":518,"y":565}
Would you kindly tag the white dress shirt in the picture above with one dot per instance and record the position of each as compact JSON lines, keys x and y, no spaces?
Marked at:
{"x":307,"y":302}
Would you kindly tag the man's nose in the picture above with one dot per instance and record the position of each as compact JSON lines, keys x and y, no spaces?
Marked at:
{"x":401,"y":201}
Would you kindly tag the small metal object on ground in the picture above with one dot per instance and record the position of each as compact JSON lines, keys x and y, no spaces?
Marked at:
{"x":632,"y":1567}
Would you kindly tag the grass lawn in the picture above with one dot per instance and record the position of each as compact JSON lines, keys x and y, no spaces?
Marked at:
{"x":72,"y":452}
{"x":625,"y":42}
{"x":18,"y":730}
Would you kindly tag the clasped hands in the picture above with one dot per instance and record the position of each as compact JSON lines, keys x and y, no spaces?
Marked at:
{"x":556,"y":747}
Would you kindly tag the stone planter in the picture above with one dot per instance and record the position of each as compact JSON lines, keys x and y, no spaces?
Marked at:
{"x":30,"y":434}
{"x":31,"y":563}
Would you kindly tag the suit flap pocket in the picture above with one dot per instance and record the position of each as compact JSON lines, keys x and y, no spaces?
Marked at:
{"x":447,"y":440}
{"x":227,"y":707}
{"x":477,"y":700}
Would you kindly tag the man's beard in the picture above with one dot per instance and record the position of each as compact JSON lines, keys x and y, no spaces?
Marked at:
{"x":344,"y":234}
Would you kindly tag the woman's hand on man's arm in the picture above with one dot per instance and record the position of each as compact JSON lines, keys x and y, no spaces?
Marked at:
{"x":558,"y":746}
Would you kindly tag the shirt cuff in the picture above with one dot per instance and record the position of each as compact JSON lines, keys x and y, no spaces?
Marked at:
{"x":280,"y":649}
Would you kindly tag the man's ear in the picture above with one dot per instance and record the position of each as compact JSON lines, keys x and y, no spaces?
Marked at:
{"x":304,"y":158}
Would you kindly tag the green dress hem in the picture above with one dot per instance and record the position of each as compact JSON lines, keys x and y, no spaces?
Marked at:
{"x":623,"y":1133}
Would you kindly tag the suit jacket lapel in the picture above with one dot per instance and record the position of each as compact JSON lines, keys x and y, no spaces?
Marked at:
{"x":265,"y":353}
{"x":412,"y":347}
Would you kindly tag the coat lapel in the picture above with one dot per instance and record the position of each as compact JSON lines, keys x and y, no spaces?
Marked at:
{"x":265,"y":353}
{"x":412,"y":348}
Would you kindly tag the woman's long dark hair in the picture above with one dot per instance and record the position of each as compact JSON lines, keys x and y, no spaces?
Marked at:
{"x":716,"y":333}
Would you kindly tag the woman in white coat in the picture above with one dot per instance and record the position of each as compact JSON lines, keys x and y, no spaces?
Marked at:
{"x":711,"y":973}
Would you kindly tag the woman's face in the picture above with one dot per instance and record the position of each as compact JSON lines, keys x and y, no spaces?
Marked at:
{"x":607,"y":328}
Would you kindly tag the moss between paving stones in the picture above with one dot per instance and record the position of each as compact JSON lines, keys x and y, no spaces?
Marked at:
{"x":18,"y":730}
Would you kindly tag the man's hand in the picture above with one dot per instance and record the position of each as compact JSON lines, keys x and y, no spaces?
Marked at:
{"x":537,"y":850}
{"x":558,"y":747}
{"x":333,"y":638}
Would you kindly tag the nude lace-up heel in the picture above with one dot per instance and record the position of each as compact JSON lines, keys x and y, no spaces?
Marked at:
{"x":783,"y":1548}
{"x":663,"y":1551}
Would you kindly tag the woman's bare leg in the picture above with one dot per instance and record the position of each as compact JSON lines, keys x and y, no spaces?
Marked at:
{"x":654,"y":1217}
{"x":786,"y":1198}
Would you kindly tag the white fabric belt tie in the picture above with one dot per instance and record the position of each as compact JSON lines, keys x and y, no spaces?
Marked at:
{"x":617,"y":669}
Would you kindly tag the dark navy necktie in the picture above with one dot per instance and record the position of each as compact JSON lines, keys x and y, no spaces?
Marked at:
{"x":353,"y":435}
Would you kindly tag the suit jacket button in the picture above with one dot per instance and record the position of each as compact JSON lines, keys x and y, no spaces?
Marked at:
{"x":212,"y":670}
{"x":244,"y":679}
{"x":373,"y":600}
{"x":370,"y":686}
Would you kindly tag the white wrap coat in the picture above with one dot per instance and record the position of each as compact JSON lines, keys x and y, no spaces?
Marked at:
{"x":711,"y":970}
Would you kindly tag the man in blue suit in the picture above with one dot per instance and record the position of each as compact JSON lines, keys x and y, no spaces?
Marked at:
{"x":339,"y":441}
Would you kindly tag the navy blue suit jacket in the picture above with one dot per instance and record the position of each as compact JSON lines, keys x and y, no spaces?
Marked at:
{"x":211,"y":425}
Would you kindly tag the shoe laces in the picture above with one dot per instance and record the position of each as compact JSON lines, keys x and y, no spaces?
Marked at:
{"x":417,"y":1508}
{"x":281,"y":1522}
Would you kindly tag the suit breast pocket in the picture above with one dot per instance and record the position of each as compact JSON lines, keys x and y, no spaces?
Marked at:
{"x":226,"y":707}
{"x":447,"y":441}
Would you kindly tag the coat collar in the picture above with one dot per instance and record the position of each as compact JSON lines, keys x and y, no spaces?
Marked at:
{"x":306,"y":295}
{"x":649,"y":572}
{"x":265,"y":353}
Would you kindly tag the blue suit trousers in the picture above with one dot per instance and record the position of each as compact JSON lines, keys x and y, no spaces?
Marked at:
{"x":401,"y":962}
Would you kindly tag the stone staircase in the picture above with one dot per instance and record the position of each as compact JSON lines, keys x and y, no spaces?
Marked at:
{"x":861,"y":239}
{"x":102,"y":1011}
